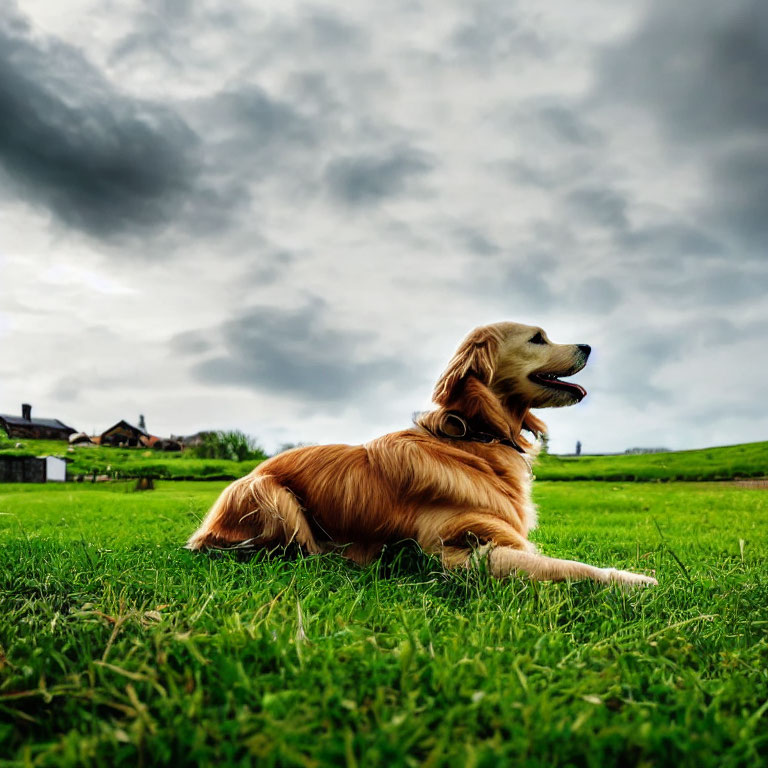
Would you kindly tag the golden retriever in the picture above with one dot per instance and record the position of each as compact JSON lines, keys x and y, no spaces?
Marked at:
{"x":458,"y":481}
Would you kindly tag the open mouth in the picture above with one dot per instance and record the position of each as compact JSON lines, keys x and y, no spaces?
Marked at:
{"x":551,"y":381}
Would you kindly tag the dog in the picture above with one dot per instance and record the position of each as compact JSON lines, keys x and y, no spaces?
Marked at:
{"x":458,"y":481}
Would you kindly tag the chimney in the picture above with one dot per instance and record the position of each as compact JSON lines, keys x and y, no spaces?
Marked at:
{"x":26,"y":411}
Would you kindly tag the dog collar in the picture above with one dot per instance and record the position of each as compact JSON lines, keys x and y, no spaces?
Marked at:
{"x":475,"y":436}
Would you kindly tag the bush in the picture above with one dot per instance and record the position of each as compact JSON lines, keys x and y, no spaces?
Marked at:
{"x":234,"y":446}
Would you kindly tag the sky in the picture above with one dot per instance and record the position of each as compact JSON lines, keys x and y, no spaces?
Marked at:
{"x":283,"y":217}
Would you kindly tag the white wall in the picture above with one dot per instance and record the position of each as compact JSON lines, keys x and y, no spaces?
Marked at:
{"x":55,"y":469}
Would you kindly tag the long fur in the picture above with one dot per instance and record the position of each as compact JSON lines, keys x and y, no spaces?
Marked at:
{"x":451,"y":496}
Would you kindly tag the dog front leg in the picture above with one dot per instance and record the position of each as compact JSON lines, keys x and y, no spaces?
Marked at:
{"x":506,"y":561}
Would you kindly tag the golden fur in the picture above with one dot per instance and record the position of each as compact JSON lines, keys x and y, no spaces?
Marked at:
{"x":451,"y":495}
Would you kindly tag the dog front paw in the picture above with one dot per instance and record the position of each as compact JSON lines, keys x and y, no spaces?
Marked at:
{"x":629,"y":579}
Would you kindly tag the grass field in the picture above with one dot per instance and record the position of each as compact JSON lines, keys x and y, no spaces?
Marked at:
{"x":117,"y":647}
{"x":723,"y":463}
{"x":128,"y":462}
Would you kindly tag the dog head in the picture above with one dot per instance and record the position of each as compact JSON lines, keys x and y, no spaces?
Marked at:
{"x":519,"y":364}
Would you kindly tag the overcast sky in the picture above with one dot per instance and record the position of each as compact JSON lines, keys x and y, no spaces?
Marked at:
{"x":284,"y":220}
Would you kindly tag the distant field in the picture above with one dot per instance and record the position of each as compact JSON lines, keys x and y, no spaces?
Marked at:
{"x":130,"y":462}
{"x":119,"y":648}
{"x":726,"y":463}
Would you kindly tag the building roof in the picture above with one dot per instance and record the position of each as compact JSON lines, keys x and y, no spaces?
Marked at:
{"x":124,"y":423}
{"x":17,"y":421}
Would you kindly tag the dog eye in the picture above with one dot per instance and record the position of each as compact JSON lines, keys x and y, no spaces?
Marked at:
{"x":537,"y":339}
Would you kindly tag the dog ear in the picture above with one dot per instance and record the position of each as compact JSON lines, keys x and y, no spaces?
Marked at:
{"x":533,"y":425}
{"x":476,"y":356}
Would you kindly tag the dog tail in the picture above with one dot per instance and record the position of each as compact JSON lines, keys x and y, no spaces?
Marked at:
{"x":254,"y":512}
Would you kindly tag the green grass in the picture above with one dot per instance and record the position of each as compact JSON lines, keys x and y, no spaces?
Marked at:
{"x":129,"y":462}
{"x":117,"y":647}
{"x":724,"y":463}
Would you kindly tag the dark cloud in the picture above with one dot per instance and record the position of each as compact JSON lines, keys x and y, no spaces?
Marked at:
{"x":257,"y":37}
{"x":190,"y":343}
{"x":741,"y":194}
{"x":597,"y":294}
{"x":517,"y":284}
{"x":558,"y":145}
{"x":527,"y":277}
{"x":532,"y":287}
{"x":258,"y":119}
{"x":321,"y":29}
{"x":531,"y":174}
{"x":101,"y":161}
{"x":163,"y":29}
{"x":530,"y":283}
{"x":476,"y":242}
{"x":600,"y":205}
{"x":672,"y":241}
{"x":668,"y":241}
{"x":567,"y":125}
{"x":251,"y":138}
{"x":268,"y":272}
{"x":292,"y":352}
{"x":726,"y":286}
{"x":491,"y":32}
{"x":634,"y":371}
{"x":702,"y":73}
{"x":549,"y":122}
{"x":714,"y":285}
{"x":645,"y":364}
{"x":366,"y":179}
{"x":548,"y":171}
{"x":701,"y":69}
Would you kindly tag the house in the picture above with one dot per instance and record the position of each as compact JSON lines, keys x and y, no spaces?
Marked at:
{"x":149,"y":441}
{"x":122,"y":433}
{"x":32,"y":469}
{"x":34,"y":429}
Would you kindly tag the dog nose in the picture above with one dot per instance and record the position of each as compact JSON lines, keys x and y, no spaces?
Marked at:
{"x":586,"y":349}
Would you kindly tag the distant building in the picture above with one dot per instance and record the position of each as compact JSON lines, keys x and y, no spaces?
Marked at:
{"x":160,"y":443}
{"x":32,"y":469}
{"x":646,"y":450}
{"x":79,"y":438}
{"x":34,"y":429}
{"x":149,"y":441}
{"x":122,"y":433}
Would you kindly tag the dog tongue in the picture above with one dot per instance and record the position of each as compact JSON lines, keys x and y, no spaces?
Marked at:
{"x":555,"y":383}
{"x":577,"y":387}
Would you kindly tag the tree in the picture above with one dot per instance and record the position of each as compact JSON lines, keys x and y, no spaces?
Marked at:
{"x":233,"y":445}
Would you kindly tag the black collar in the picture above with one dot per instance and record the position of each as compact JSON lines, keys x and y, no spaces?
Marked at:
{"x":472,"y":435}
